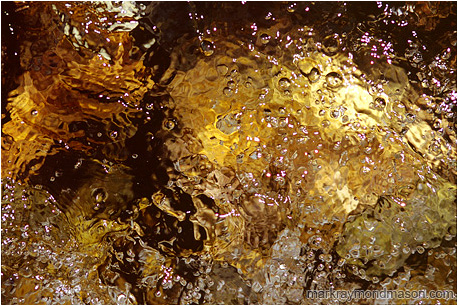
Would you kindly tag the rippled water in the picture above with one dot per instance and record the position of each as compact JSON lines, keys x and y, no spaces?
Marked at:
{"x":227,"y":152}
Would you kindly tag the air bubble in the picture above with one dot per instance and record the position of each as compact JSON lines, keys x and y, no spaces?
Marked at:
{"x":331,"y":45}
{"x":284,"y":83}
{"x":34,"y":112}
{"x":315,"y":241}
{"x":291,"y":8}
{"x":354,"y":253}
{"x":406,"y":250}
{"x":99,"y":195}
{"x":379,"y":103}
{"x":410,"y":117}
{"x":99,"y":206}
{"x":169,"y":124}
{"x":437,"y":124}
{"x":257,"y":287}
{"x":333,"y":79}
{"x":231,"y":84}
{"x":337,"y":146}
{"x":227,"y":91}
{"x":265,"y":38}
{"x":280,"y":180}
{"x":207,"y":47}
{"x":114,"y":134}
{"x":314,"y":75}
{"x":100,"y":228}
{"x":222,"y":69}
{"x":435,"y":149}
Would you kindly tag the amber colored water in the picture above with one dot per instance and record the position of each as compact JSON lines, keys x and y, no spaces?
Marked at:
{"x":227,"y":152}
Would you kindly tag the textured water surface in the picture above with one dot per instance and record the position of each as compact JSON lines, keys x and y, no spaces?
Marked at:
{"x":227,"y":152}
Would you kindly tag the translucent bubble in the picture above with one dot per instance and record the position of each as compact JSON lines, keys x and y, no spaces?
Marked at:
{"x":331,"y":45}
{"x":315,"y":241}
{"x":420,"y":249}
{"x":34,"y":112}
{"x":406,"y":250}
{"x":99,"y":206}
{"x":231,"y":84}
{"x":222,"y":69}
{"x":265,"y":38}
{"x":314,"y":75}
{"x":227,"y":124}
{"x":280,"y":180}
{"x":227,"y":91}
{"x":257,"y":287}
{"x":435,"y":149}
{"x":284,"y":83}
{"x":379,"y":103}
{"x":169,"y":124}
{"x":410,"y":117}
{"x":399,"y":107}
{"x":437,"y":124}
{"x":99,"y":195}
{"x":291,"y":7}
{"x":114,"y":134}
{"x":335,"y":114}
{"x":334,"y":79}
{"x":25,"y":271}
{"x":354,"y":252}
{"x":207,"y":47}
{"x":445,"y":54}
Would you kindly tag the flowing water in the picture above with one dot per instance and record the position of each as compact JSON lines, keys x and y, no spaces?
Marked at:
{"x":227,"y":152}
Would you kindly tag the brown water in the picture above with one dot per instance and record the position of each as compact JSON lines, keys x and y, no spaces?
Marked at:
{"x":227,"y":152}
